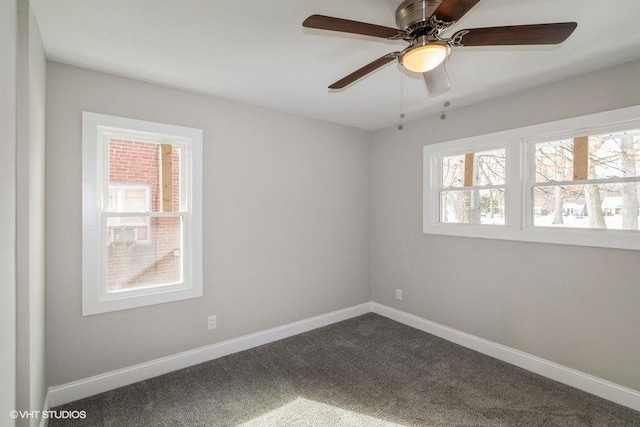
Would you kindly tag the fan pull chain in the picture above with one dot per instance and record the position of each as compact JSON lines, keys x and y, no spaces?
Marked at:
{"x":444,"y":108}
{"x":400,"y":124}
{"x":446,"y":104}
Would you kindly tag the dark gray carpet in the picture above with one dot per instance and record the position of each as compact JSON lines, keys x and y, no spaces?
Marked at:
{"x":366,"y":371}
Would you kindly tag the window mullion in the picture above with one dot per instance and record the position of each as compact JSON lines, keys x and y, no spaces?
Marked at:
{"x":149,"y":214}
{"x":621,"y":180}
{"x":474,"y":187}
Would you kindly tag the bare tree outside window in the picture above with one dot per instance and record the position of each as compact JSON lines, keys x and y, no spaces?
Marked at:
{"x":473,"y":188}
{"x":605,"y":194}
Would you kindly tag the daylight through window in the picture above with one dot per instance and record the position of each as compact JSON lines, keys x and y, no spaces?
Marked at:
{"x":144,"y":180}
{"x":574,"y":181}
{"x":473,"y":187}
{"x":588,"y":181}
{"x":142,"y":213}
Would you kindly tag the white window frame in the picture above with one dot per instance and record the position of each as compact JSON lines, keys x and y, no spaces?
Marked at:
{"x":432,"y":186}
{"x":520,"y":180}
{"x":96,"y":132}
{"x":439,"y":188}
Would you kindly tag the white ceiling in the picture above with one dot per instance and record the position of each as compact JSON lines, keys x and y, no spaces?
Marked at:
{"x":257,"y":52}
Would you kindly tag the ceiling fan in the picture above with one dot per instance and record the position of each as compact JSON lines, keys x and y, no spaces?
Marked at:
{"x":422,"y":23}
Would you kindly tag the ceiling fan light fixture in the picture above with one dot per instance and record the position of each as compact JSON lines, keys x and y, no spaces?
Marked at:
{"x":424,"y":57}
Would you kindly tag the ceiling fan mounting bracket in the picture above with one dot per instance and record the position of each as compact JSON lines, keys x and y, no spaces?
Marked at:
{"x":402,"y":35}
{"x":456,"y":39}
{"x":438,"y":26}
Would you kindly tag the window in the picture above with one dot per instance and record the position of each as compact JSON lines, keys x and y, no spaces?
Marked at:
{"x":472,"y":187}
{"x":574,"y":181}
{"x":589,"y":181}
{"x":142,"y":217}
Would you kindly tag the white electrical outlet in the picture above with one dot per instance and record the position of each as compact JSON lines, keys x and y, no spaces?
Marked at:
{"x":212,"y":322}
{"x":399,"y":294}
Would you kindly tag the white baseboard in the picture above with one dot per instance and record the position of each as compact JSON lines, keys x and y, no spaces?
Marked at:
{"x":76,"y":390}
{"x":59,"y":395}
{"x":594,"y":385}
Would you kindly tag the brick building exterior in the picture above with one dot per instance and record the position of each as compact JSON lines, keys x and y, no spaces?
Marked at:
{"x":143,"y":251}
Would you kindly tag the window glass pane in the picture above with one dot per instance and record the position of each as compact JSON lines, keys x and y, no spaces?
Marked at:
{"x":489,"y":168}
{"x":132,"y":264}
{"x":138,"y":222}
{"x":614,"y":155}
{"x":608,"y":156}
{"x":554,"y":161}
{"x":128,"y":199}
{"x":473,"y":207}
{"x":143,"y":176}
{"x":605,"y":206}
{"x":453,"y":171}
{"x":134,"y":200}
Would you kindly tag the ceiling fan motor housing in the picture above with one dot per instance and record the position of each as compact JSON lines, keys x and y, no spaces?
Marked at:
{"x":413,"y":16}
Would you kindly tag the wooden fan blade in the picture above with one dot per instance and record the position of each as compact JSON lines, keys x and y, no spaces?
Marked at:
{"x":322,"y":22}
{"x":515,"y":35}
{"x":364,"y":70}
{"x":437,"y":80}
{"x":453,"y":10}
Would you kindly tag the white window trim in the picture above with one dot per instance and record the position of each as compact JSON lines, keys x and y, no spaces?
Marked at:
{"x":518,"y":224}
{"x":94,"y":298}
{"x":457,"y":149}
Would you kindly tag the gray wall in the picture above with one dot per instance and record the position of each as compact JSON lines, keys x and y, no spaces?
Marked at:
{"x":286,"y":231}
{"x":576,"y":306}
{"x":30,"y":248}
{"x":8,"y":37}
